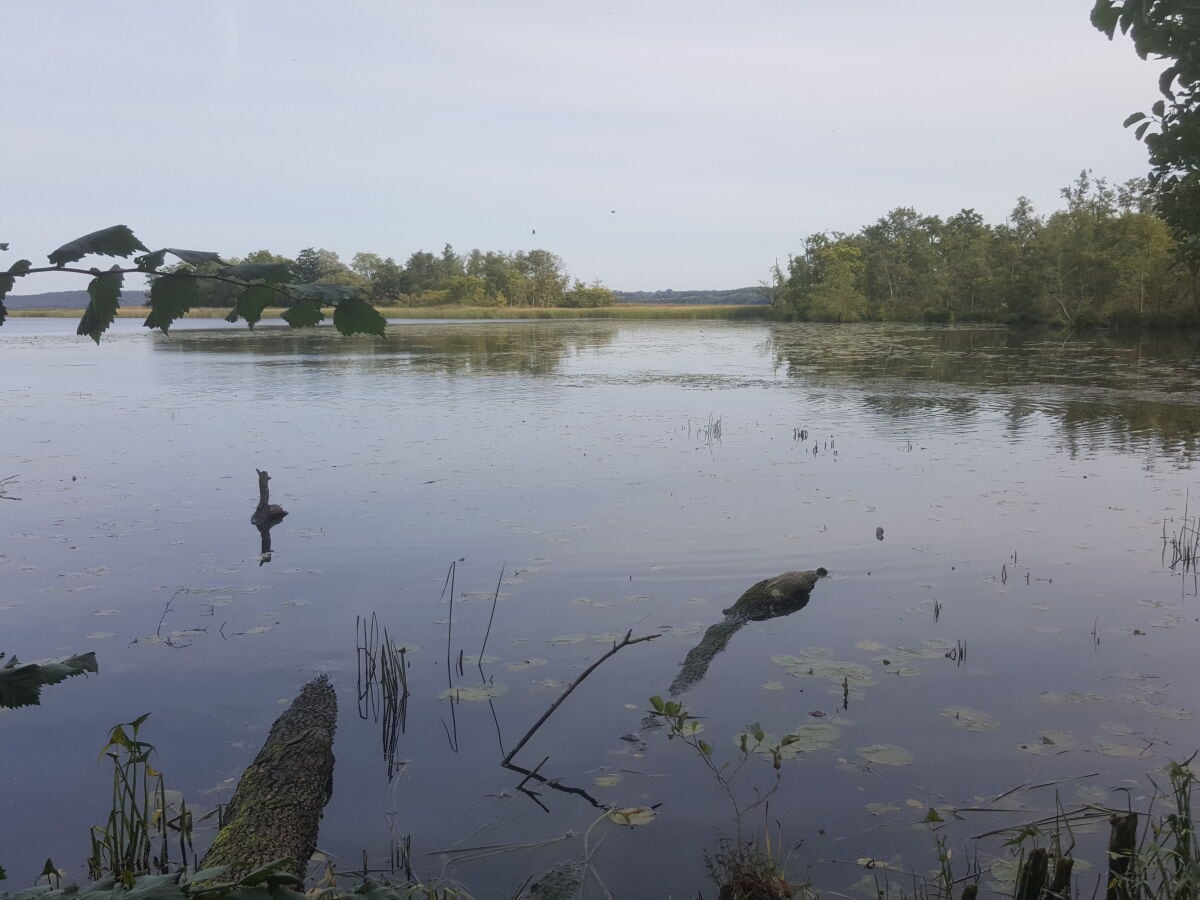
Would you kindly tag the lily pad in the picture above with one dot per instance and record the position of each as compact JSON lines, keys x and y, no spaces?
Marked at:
{"x":970,"y":719}
{"x":474,"y":659}
{"x":1106,"y":747}
{"x":608,"y":637}
{"x":632,"y":815}
{"x":532,"y":663}
{"x":1049,"y":743}
{"x":474,"y":693}
{"x":1060,"y":697}
{"x":772,"y":686}
{"x":886,"y":755}
{"x":812,"y":736}
{"x":607,"y":780}
{"x":562,"y":640}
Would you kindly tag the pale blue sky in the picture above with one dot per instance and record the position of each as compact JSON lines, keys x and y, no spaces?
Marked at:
{"x":720,"y":133}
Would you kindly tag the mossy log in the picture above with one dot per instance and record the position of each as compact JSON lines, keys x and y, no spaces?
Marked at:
{"x":772,"y":597}
{"x":276,"y":809}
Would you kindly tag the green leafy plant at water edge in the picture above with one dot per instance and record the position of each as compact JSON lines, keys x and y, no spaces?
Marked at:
{"x":21,"y":683}
{"x":271,"y":882}
{"x":140,"y":815}
{"x":740,"y":867}
{"x":174,"y":291}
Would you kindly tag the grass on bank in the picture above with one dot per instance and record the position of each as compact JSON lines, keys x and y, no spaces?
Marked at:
{"x":660,"y":312}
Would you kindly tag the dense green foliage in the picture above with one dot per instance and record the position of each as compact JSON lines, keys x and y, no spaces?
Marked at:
{"x":536,"y":278}
{"x":1168,"y":30}
{"x":1106,"y":259}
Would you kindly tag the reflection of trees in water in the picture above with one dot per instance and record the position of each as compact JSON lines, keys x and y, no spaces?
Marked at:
{"x":530,"y":348}
{"x":1107,"y":390}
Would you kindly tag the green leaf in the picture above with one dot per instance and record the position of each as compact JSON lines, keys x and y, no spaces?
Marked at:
{"x":171,"y":297}
{"x":20,"y":685}
{"x":705,"y":747}
{"x":756,"y":730}
{"x":8,"y":279}
{"x":657,"y":702}
{"x":196,"y":257}
{"x":1165,"y":79}
{"x":1158,"y":108}
{"x":1104,"y":17}
{"x":276,"y":273}
{"x":251,"y":302}
{"x":154,"y":887}
{"x":1141,"y":131}
{"x":115,"y":241}
{"x":1133,"y":117}
{"x":105,"y":293}
{"x":355,"y":315}
{"x":303,"y":315}
{"x":151,"y":262}
{"x":275,"y":872}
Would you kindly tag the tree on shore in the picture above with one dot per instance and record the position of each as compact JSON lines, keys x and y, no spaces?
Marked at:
{"x":1105,"y":259}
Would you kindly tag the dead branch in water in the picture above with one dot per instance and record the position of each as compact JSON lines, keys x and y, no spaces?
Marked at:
{"x":626,"y":641}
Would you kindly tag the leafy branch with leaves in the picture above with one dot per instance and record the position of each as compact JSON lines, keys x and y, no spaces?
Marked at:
{"x":175,"y":291}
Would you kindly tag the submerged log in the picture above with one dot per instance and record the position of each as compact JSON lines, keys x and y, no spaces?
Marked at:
{"x":768,"y":599}
{"x":276,"y":809}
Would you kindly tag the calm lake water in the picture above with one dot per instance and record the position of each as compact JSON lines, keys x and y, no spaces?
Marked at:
{"x":1023,"y":484}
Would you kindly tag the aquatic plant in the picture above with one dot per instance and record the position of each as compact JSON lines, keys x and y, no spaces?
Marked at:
{"x":140,"y":814}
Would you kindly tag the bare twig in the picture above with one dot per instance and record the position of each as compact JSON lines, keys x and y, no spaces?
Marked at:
{"x":495,"y":597}
{"x":620,"y":645}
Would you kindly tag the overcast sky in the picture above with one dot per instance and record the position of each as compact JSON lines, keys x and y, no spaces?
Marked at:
{"x":650,"y":144}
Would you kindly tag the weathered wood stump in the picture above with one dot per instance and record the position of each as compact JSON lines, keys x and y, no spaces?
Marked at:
{"x":266,"y":513}
{"x":276,"y":809}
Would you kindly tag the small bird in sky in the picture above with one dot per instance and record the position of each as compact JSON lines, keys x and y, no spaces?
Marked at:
{"x":534,"y":231}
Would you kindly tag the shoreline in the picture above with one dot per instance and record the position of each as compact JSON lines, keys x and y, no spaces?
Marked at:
{"x":745,"y":312}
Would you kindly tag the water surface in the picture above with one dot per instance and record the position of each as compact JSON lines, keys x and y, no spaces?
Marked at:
{"x":1023,"y":483}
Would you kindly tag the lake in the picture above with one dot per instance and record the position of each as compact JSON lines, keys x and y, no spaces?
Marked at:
{"x":1012,"y":636}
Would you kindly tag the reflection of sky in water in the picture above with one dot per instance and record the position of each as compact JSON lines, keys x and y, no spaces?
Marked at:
{"x":576,"y":454}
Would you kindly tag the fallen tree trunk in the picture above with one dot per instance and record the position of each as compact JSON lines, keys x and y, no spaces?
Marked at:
{"x":276,"y":809}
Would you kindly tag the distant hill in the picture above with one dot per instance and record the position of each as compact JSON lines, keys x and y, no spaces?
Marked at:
{"x":67,"y":300}
{"x":746,"y":296}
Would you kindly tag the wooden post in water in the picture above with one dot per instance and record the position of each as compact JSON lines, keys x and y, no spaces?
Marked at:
{"x":1032,"y":877}
{"x":276,"y":809}
{"x":1122,"y":846}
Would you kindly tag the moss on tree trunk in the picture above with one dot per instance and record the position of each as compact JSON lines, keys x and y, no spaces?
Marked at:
{"x":276,"y":809}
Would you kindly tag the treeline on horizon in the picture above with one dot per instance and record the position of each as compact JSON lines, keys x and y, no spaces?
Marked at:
{"x":1108,"y":258}
{"x":533,"y":278}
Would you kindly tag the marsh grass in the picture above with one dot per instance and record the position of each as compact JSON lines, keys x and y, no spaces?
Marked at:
{"x":140,"y":815}
{"x":1183,"y":542}
{"x":382,"y":684}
